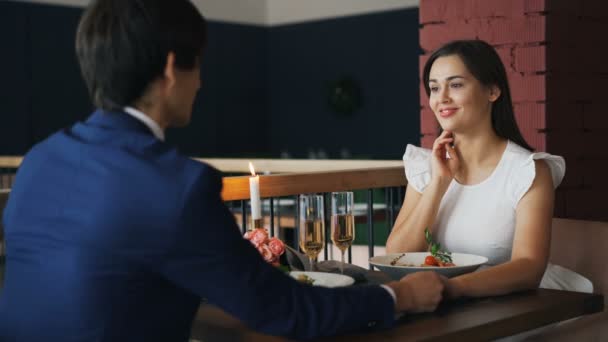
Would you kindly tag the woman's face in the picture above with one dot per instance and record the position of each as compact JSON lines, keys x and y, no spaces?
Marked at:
{"x":460,"y":102}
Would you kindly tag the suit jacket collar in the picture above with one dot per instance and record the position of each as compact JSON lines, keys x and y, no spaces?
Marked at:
{"x":117,"y":120}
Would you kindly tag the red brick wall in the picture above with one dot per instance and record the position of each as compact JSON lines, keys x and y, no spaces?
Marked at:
{"x":577,"y":80}
{"x":555,"y":55}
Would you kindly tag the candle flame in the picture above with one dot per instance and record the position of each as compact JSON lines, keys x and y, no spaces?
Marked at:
{"x":251,"y":169}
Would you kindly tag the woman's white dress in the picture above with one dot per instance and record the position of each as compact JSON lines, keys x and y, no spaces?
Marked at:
{"x":480,"y":219}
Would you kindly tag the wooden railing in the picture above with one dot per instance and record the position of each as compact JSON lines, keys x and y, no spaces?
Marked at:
{"x":280,"y":178}
{"x":272,"y":165}
{"x":10,"y":162}
{"x":237,"y":188}
{"x":291,"y":177}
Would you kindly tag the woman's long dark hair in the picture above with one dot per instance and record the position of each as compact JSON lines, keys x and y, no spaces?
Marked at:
{"x":485,"y":65}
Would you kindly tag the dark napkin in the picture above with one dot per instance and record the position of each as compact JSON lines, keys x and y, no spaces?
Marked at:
{"x":299,"y":262}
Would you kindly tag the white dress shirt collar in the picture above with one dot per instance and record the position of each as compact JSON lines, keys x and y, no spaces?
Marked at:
{"x":146,"y":120}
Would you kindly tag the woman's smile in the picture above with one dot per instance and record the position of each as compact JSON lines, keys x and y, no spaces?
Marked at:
{"x":447,"y":111}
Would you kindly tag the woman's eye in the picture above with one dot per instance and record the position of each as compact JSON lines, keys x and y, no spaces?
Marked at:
{"x":434,"y":89}
{"x":456,"y":85}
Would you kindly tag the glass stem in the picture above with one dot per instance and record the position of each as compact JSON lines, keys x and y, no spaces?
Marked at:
{"x":342,"y":264}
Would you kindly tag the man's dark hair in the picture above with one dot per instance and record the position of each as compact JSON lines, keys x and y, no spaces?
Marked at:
{"x":122,"y":45}
{"x":485,"y":65}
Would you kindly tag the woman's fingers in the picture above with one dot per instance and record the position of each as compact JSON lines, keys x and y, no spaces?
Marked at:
{"x":454,"y":158}
{"x":444,"y":134}
{"x":452,"y":151}
{"x":444,"y":141}
{"x":442,"y":165}
{"x":440,"y":145}
{"x":443,"y":145}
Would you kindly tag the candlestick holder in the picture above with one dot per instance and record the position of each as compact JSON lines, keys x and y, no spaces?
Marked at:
{"x":257,"y":223}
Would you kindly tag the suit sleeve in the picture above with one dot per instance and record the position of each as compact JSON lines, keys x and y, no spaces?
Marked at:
{"x":209,"y":257}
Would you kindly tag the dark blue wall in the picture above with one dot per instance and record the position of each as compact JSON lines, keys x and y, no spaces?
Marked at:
{"x":42,"y":91}
{"x":379,"y":51}
{"x":264,"y":90}
{"x":229,"y":116}
{"x":14,"y":92}
{"x":58,"y":94}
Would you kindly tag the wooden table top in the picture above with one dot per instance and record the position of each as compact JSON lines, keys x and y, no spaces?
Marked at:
{"x":463,"y":320}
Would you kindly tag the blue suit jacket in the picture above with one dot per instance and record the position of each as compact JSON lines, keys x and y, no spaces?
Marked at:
{"x":112,"y":235}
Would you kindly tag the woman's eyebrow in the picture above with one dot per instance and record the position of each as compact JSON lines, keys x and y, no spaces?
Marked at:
{"x":448,"y":78}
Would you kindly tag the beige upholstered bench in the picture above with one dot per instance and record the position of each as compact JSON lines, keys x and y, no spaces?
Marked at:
{"x":580,"y":246}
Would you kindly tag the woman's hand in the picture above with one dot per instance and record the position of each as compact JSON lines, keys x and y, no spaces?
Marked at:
{"x":453,"y":289}
{"x":445,"y":161}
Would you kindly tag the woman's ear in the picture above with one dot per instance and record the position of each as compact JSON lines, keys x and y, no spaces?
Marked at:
{"x":494,"y":93}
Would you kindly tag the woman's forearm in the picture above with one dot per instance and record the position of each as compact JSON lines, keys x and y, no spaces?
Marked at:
{"x":408,"y":232}
{"x":516,"y":275}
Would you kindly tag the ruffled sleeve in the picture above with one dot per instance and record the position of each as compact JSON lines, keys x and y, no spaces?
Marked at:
{"x":525,"y":176}
{"x":417,"y":162}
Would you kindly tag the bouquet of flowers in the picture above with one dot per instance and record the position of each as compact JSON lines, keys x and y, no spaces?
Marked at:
{"x":271,"y":249}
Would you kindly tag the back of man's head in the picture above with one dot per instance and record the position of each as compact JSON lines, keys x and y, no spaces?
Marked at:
{"x":122,"y":45}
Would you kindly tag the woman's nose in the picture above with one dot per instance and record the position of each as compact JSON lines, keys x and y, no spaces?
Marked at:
{"x":444,"y":95}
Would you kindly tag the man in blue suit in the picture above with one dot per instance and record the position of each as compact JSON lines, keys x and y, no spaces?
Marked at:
{"x":112,"y":235}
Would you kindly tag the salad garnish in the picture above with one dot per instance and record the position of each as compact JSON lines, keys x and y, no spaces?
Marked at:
{"x":435,"y":248}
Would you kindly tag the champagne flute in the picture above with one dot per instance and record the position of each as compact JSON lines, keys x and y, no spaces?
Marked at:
{"x":342,"y":222}
{"x":312,"y":226}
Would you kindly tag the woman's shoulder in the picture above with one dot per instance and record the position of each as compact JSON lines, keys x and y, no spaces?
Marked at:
{"x":413,"y":152}
{"x":524,"y":166}
{"x":416,"y":161}
{"x":523,"y":161}
{"x":516,"y":150}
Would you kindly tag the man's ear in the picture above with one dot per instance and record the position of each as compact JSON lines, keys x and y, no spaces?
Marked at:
{"x":169,"y":72}
{"x":494,"y":93}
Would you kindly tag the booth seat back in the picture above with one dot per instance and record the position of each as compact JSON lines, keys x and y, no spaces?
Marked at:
{"x":580,"y":246}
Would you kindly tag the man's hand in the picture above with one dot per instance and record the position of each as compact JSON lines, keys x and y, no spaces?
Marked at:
{"x":418,"y":292}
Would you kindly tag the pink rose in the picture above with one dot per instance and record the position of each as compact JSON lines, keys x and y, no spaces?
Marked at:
{"x":266,"y":253}
{"x":259,"y":237}
{"x":276,"y":246}
{"x":247,"y":235}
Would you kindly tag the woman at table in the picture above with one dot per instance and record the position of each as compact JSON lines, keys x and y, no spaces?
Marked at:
{"x":480,"y":189}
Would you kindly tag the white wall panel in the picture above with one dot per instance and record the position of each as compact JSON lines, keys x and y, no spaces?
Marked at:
{"x":73,"y":3}
{"x":294,"y":11}
{"x":276,"y":12}
{"x":252,"y":12}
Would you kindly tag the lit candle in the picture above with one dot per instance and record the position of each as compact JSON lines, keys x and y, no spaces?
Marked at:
{"x":254,"y":194}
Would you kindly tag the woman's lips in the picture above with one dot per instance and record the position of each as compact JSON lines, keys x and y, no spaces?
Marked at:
{"x":447,"y":112}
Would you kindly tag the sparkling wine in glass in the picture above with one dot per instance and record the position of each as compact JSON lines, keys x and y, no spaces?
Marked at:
{"x":312,"y":226}
{"x":342,"y":222}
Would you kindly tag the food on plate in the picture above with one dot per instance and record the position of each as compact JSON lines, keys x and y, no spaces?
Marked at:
{"x":394,"y":261}
{"x":438,"y":258}
{"x":431,"y":261}
{"x":303,"y":278}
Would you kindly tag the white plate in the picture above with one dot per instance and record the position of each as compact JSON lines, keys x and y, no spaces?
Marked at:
{"x":465,"y":263}
{"x":325,"y":279}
